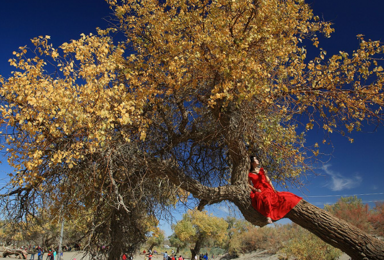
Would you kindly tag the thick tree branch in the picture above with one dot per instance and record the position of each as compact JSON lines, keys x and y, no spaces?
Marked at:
{"x":238,"y":194}
{"x":336,"y":232}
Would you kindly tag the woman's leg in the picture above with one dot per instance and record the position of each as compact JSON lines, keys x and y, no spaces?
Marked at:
{"x":268,"y":210}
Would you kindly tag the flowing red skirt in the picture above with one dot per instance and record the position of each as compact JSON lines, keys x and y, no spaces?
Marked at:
{"x":274,"y":204}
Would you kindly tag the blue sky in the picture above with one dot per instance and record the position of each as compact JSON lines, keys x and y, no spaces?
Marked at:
{"x":352,"y":169}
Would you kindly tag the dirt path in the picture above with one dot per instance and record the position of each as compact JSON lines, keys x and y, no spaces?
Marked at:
{"x":256,"y":255}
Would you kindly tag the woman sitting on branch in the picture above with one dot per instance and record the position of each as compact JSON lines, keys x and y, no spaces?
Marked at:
{"x":265,"y":199}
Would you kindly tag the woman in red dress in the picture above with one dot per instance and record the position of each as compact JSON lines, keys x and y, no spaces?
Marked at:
{"x":265,"y":199}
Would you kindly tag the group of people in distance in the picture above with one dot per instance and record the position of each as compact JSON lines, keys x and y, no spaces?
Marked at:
{"x":52,"y":254}
{"x":173,"y":256}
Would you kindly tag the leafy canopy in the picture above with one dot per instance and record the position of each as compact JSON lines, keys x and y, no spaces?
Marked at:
{"x":194,"y":88}
{"x":198,"y":225}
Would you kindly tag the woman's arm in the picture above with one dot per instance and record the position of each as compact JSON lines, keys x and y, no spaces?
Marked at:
{"x":251,"y":186}
{"x":269,"y":180}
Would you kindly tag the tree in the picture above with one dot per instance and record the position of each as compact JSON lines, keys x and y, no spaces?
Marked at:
{"x":176,"y":242}
{"x":9,"y":234}
{"x":237,"y":226}
{"x":123,"y":225}
{"x":43,"y":228}
{"x":207,"y":84}
{"x":156,"y":239}
{"x":197,"y":227}
{"x":236,"y":230}
{"x":110,"y":217}
{"x":353,"y":211}
{"x":377,"y":218}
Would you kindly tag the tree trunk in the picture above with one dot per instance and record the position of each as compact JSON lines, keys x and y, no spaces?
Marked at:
{"x":196,"y":250}
{"x":336,"y":232}
{"x":332,"y":230}
{"x":117,"y":236}
{"x":17,"y":252}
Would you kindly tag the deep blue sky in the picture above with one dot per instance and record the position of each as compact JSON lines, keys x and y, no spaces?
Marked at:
{"x":356,"y":168}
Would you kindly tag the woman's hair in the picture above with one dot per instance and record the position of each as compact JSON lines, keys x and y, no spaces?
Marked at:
{"x":251,"y":167}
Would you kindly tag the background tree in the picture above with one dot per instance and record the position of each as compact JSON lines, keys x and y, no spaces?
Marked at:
{"x":156,"y":239}
{"x":42,"y":229}
{"x":377,"y":219}
{"x":10,"y":233}
{"x":176,"y":242}
{"x":207,"y":84}
{"x":352,"y":210}
{"x":236,"y":230}
{"x":197,"y":227}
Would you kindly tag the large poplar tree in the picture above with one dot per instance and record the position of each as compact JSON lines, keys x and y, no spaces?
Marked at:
{"x":196,"y":87}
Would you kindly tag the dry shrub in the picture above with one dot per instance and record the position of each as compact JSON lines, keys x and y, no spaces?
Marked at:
{"x":290,"y":240}
{"x":352,"y":210}
{"x":303,"y":245}
{"x":377,"y":219}
{"x":266,"y":238}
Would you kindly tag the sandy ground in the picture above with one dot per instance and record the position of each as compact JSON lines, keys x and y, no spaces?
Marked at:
{"x":79,"y":254}
{"x":256,"y":255}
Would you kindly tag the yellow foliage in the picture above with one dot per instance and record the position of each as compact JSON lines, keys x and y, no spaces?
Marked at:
{"x":202,"y":65}
{"x":304,"y":245}
{"x":199,"y":225}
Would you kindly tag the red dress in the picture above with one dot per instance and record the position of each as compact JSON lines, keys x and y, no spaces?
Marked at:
{"x":268,"y":202}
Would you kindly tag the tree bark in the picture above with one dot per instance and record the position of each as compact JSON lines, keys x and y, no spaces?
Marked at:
{"x":152,"y":246}
{"x":196,"y":250}
{"x":17,"y":252}
{"x":336,"y":232}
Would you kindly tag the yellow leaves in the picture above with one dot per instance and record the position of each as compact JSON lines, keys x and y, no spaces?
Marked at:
{"x":199,"y":222}
{"x":322,"y":54}
{"x":183,"y":195}
{"x":125,"y":119}
{"x":350,"y":127}
{"x":328,"y":128}
{"x":54,"y":54}
{"x":48,"y":109}
{"x":12,"y":62}
{"x":218,"y":55}
{"x":184,"y":230}
{"x":309,"y":126}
